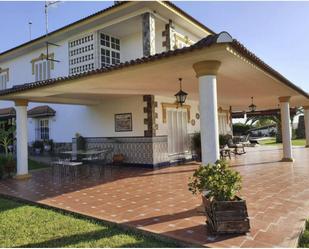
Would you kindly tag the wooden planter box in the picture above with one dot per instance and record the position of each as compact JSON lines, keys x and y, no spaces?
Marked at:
{"x":227,"y":216}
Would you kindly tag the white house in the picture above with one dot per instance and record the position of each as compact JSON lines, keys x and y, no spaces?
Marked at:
{"x":106,"y":38}
{"x":115,"y":82}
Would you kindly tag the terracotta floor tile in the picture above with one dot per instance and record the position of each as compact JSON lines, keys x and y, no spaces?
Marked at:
{"x":158,"y":200}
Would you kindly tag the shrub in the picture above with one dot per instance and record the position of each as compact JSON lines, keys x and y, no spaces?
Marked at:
{"x":197,"y":147}
{"x":80,"y":142}
{"x":38,"y":144}
{"x":49,"y":142}
{"x":3,"y":161}
{"x":241,"y":129}
{"x":196,"y":141}
{"x":217,"y":181}
{"x":224,"y":139}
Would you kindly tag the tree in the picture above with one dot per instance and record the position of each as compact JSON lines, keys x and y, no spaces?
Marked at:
{"x":273,"y":118}
{"x":6,"y":137}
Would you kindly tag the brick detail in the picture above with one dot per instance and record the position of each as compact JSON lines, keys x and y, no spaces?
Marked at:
{"x":151,"y":115}
{"x":168,"y":34}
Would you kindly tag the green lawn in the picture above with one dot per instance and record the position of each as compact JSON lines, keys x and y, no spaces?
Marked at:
{"x":304,"y":238}
{"x":36,"y":165}
{"x":272,"y":141}
{"x":23,"y":225}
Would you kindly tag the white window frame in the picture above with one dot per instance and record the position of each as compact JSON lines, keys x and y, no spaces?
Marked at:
{"x":3,"y":80}
{"x":42,"y":70}
{"x":42,"y":132}
{"x":110,"y":48}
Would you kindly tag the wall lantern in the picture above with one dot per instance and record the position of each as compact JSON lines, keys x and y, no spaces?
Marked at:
{"x":181,"y":96}
{"x":252,"y":107}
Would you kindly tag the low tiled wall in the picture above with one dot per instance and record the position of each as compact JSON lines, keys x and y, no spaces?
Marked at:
{"x":145,"y":151}
{"x":57,"y":147}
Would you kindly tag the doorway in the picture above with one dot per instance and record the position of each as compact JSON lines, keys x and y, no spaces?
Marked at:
{"x":177,"y":120}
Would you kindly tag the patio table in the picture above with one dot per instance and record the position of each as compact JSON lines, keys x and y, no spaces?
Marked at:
{"x":89,"y":154}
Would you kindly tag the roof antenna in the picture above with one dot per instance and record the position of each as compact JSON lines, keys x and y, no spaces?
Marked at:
{"x":30,"y":23}
{"x":46,"y":6}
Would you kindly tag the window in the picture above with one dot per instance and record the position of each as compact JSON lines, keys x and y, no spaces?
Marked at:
{"x":105,"y":40}
{"x":115,"y":43}
{"x":115,"y":58}
{"x":43,"y":129}
{"x":3,"y":81}
{"x":110,"y":50}
{"x":105,"y":57}
{"x":42,"y":70}
{"x":81,"y":53}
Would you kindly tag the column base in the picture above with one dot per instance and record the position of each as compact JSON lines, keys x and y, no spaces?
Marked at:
{"x":286,"y":159}
{"x":22,"y":177}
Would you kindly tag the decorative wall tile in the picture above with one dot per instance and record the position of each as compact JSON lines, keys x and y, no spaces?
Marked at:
{"x":137,"y":150}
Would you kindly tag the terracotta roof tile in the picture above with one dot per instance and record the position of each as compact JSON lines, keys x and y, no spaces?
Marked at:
{"x":7,"y":112}
{"x":203,"y":43}
{"x":41,"y":111}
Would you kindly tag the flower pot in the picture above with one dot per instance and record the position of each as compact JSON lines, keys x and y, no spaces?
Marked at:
{"x":227,"y":217}
{"x":37,"y":151}
{"x":9,"y":167}
{"x":47,"y":147}
{"x":118,"y":159}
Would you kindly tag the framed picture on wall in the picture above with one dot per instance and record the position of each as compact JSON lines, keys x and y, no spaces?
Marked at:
{"x":123,"y":122}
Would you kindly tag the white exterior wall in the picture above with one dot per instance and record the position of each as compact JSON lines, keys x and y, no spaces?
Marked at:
{"x":131,"y":47}
{"x":20,"y":68}
{"x":160,"y":27}
{"x":93,"y":121}
{"x":224,"y":124}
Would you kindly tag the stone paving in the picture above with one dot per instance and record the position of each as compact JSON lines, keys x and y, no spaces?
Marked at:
{"x":158,"y":201}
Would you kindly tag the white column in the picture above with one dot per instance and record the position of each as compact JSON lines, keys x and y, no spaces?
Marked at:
{"x":286,"y":129}
{"x":206,"y":73}
{"x":306,"y":117}
{"x":21,"y":139}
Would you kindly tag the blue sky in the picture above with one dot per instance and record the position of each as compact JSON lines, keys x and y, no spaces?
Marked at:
{"x":277,"y":32}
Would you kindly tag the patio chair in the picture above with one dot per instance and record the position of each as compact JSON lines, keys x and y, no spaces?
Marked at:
{"x":246,"y":141}
{"x":238,"y":148}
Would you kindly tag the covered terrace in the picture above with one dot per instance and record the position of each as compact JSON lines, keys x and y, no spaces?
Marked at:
{"x":218,"y":71}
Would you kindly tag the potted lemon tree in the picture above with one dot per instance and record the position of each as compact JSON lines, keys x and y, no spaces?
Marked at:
{"x":218,"y":184}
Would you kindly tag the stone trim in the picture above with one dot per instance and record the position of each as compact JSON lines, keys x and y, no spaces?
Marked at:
{"x":184,"y":39}
{"x":287,"y":159}
{"x":284,"y":99}
{"x":149,"y":42}
{"x":22,"y":177}
{"x":43,"y":57}
{"x":5,"y":70}
{"x":203,"y":68}
{"x":151,"y":115}
{"x":21,"y":102}
{"x":168,"y":34}
{"x":174,"y":105}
